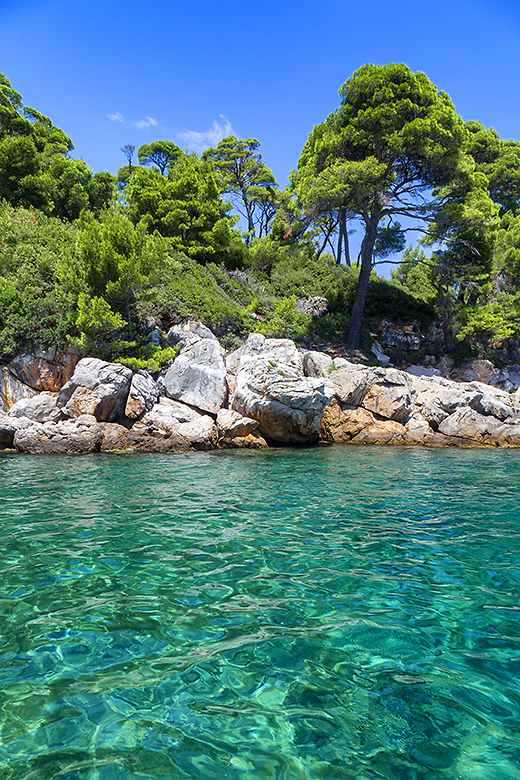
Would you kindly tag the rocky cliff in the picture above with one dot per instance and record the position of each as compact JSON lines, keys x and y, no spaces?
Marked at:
{"x":266,"y":392}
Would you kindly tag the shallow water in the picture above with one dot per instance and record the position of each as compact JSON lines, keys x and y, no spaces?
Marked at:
{"x":344,"y":612}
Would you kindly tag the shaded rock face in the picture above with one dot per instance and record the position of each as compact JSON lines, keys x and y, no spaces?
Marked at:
{"x":401,"y":339}
{"x":8,"y":426}
{"x":271,"y":388}
{"x":80,"y":435}
{"x":45,"y":370}
{"x":142,"y":395}
{"x":197,"y":376}
{"x":96,"y":388}
{"x":12,"y":390}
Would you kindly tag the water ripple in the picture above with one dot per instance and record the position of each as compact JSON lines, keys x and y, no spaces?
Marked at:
{"x":327,"y":613}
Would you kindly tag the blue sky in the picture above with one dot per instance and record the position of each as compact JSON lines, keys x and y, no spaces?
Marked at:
{"x":111,"y":73}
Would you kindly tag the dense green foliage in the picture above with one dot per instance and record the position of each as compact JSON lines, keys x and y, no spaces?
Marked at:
{"x":77,"y":264}
{"x":35,"y":166}
{"x":393,"y":139}
{"x":247,"y":180}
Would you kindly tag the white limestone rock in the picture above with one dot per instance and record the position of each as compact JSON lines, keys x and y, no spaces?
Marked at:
{"x":142,"y":395}
{"x":80,"y":435}
{"x":287,"y":405}
{"x":96,"y":388}
{"x":41,"y":408}
{"x":197,"y":376}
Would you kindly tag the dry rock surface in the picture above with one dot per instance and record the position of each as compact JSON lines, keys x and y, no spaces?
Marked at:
{"x":267,"y":391}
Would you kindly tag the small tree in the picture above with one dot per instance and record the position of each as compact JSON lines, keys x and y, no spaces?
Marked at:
{"x":128,"y":150}
{"x":160,"y":153}
{"x":248,"y":180}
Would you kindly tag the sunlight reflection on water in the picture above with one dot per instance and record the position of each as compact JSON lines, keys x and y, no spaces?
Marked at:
{"x":322,"y":613}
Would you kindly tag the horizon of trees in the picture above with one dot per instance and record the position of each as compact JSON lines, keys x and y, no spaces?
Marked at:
{"x":394,"y":157}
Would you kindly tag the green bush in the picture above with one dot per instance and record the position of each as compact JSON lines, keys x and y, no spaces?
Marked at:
{"x":31,"y":312}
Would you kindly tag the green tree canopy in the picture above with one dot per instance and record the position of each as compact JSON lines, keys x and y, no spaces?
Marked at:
{"x":185,"y":206}
{"x":35,"y":167}
{"x":393,"y":140}
{"x":499,"y":161}
{"x":247,"y":180}
{"x":160,"y":153}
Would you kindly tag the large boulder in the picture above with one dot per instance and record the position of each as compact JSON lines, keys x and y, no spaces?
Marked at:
{"x":341,"y":423}
{"x":197,"y":376}
{"x":142,"y":395}
{"x":231,"y":424}
{"x":168,"y":414}
{"x":287,"y":405}
{"x":202,"y":433}
{"x":80,"y":435}
{"x":390,"y":395}
{"x":469,"y":424}
{"x":317,"y":363}
{"x":352,"y":382}
{"x":96,"y":388}
{"x":188,"y":333}
{"x":40,"y":408}
{"x":257,"y":346}
{"x":479,"y":371}
{"x":46,"y":369}
{"x":182,"y":426}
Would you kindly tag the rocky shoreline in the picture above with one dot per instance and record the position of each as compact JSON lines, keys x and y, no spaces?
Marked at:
{"x":266,"y":392}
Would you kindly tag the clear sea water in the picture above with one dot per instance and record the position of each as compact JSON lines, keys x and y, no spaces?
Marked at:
{"x":340,"y":612}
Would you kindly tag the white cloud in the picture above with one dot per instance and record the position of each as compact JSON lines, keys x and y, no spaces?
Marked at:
{"x":201,"y":141}
{"x":116,"y":117}
{"x":148,"y":122}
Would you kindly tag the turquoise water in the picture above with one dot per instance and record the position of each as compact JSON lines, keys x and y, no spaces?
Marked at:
{"x":344,"y":612}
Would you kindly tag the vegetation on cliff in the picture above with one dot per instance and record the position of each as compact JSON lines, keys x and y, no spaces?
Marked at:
{"x":92,"y":258}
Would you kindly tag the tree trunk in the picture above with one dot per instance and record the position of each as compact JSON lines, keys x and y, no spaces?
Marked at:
{"x":340,"y":241}
{"x":367,"y":248}
{"x":320,"y":251}
{"x":344,"y":233}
